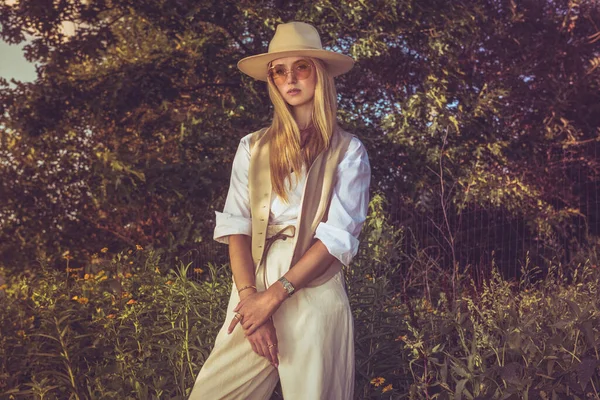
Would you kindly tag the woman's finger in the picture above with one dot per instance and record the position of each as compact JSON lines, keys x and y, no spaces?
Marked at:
{"x":233,"y":323}
{"x":254,"y":347}
{"x":246,"y":325}
{"x":266,"y":352}
{"x":273,"y":352}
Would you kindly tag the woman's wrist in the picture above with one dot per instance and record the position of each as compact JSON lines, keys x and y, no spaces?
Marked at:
{"x":246,"y":293}
{"x":278,"y":293}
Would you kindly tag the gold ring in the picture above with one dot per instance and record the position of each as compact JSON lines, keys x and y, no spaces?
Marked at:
{"x":238,"y":316}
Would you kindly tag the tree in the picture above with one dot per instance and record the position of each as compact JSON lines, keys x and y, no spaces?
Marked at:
{"x":128,"y":134}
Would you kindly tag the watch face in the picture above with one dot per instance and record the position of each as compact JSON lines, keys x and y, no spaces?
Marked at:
{"x":289,"y":288}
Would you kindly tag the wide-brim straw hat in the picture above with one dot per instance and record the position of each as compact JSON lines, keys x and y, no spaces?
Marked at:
{"x":291,"y":40}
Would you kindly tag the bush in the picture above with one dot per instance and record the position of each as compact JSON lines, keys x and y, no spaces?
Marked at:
{"x":424,"y":332}
{"x":124,"y":332}
{"x":122,"y":329}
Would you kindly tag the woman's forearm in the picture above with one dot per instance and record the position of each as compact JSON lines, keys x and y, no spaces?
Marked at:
{"x":312,"y":265}
{"x":242,"y":266}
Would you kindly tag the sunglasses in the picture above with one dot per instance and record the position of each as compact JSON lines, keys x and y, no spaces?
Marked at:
{"x":301,"y":69}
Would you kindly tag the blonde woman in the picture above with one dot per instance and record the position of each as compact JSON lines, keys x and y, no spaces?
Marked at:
{"x":296,"y":204}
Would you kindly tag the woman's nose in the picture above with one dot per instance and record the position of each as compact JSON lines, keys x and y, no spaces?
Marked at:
{"x":291,"y":77}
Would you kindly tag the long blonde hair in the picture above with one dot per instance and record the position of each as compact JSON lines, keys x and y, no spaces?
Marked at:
{"x":284,"y":133}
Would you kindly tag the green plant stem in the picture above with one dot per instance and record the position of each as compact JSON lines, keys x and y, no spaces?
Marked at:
{"x":67,"y":360}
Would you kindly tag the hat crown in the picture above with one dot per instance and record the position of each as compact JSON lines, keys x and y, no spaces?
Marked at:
{"x":295,"y":36}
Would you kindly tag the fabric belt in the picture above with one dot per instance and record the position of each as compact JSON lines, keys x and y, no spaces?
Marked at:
{"x":274,"y":233}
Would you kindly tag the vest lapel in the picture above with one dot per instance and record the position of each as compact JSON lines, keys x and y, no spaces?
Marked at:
{"x":259,"y":187}
{"x":316,"y":199}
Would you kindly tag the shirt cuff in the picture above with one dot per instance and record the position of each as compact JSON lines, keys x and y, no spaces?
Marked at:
{"x":340,"y":243}
{"x":229,"y":224}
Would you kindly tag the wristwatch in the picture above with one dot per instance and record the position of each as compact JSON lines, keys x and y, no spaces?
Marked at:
{"x":287,"y":285}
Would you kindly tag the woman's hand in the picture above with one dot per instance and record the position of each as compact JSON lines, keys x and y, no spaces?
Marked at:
{"x":264,"y":342}
{"x":256,"y":309}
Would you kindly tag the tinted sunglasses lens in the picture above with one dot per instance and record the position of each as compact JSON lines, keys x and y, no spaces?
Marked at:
{"x":302,"y":69}
{"x":278,"y":74}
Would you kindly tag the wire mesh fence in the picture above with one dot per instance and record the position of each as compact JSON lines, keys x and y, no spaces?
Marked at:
{"x":478,"y":237}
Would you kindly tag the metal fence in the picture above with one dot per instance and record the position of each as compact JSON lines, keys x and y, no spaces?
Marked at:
{"x":479,"y":237}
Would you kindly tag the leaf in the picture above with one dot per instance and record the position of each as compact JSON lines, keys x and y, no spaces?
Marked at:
{"x":585,"y":370}
{"x":46,"y":336}
{"x":514,"y":340}
{"x":588,"y":332}
{"x":460,"y":387}
{"x":437,"y":348}
{"x":574,"y":307}
{"x":459,"y":369}
{"x":511,"y":373}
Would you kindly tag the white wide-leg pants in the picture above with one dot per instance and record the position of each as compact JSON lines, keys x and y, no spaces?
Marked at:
{"x":315,"y":336}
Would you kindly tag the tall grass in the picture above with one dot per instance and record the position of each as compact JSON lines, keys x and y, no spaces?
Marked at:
{"x":126,"y":329}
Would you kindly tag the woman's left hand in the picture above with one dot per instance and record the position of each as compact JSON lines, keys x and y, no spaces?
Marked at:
{"x":254,"y":310}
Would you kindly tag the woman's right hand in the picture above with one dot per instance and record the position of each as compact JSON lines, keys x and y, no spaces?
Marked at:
{"x":262,"y":338}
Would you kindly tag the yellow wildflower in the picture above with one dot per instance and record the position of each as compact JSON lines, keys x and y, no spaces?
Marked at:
{"x":128,"y":275}
{"x":83,"y":300}
{"x":169,"y":282}
{"x":129,"y":251}
{"x":157,"y":270}
{"x":67,"y":255}
{"x":125,"y":294}
{"x":130,"y":262}
{"x":21,"y":333}
{"x":138,"y":247}
{"x":198,"y":270}
{"x":2,"y":287}
{"x":104,"y":250}
{"x":132,"y":301}
{"x":377,"y":381}
{"x":387,"y":388}
{"x":110,"y":316}
{"x":74,"y":297}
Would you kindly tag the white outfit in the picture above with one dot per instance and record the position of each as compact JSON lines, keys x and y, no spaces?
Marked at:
{"x":314,"y":326}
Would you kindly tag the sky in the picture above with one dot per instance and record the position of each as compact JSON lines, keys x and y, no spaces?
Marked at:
{"x":13,"y":64}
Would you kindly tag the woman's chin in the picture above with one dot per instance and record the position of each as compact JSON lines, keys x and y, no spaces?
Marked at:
{"x":293,"y":102}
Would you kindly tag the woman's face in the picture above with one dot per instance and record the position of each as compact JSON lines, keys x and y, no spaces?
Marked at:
{"x":295,"y":78}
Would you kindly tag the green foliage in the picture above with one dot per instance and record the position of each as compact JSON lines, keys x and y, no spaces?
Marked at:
{"x":423,"y":332}
{"x":124,"y":332}
{"x":128,"y":134}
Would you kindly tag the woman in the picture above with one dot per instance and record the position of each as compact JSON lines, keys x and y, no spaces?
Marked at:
{"x":297,"y":201}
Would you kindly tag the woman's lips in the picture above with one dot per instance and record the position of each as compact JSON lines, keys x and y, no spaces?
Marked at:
{"x":293,"y":92}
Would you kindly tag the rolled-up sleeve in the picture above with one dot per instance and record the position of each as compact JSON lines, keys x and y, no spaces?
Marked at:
{"x":235,"y":218}
{"x":349,"y":204}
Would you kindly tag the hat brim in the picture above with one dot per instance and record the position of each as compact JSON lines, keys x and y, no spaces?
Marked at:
{"x":256,"y":66}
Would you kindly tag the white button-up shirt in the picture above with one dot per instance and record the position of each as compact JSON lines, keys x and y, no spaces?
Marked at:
{"x":347,"y":212}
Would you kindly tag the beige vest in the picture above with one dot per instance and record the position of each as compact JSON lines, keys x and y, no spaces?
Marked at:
{"x":316,"y":198}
